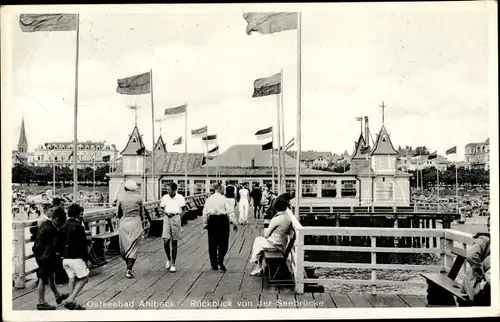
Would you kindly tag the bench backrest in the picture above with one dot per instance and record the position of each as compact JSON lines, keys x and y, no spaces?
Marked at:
{"x":289,"y":245}
{"x":457,"y":265}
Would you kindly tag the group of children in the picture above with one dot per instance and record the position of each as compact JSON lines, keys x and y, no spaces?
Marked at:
{"x":61,"y":241}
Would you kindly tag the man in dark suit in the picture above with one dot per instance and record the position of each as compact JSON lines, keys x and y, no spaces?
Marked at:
{"x":256,"y":195}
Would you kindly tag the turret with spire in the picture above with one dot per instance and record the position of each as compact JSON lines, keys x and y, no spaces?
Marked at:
{"x":22,"y":145}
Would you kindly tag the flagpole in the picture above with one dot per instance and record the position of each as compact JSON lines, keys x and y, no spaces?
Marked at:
{"x":282,"y":153}
{"x":456,"y":177}
{"x":153,"y":161}
{"x":53,"y":174}
{"x":272,"y":168}
{"x":279,"y":142}
{"x":299,"y":99}
{"x":206,"y":158}
{"x":75,"y":126}
{"x":93,"y":174}
{"x":185,"y":153}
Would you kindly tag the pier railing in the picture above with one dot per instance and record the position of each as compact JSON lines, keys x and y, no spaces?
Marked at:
{"x":450,"y":242}
{"x":99,"y":221}
{"x":411,"y":208}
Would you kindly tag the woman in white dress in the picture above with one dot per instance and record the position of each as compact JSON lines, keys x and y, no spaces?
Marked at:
{"x":275,"y":236}
{"x":244,"y":205}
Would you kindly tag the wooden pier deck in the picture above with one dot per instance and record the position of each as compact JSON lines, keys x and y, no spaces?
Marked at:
{"x":195,"y":285}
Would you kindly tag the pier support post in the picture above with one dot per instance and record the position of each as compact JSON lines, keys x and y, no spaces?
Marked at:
{"x":19,"y":255}
{"x":299,"y":262}
{"x":374,"y":262}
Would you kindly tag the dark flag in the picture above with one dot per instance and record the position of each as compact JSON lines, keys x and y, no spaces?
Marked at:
{"x":135,"y":85}
{"x":48,"y":22}
{"x":267,"y":86}
{"x":106,"y":158}
{"x":452,"y":150}
{"x":141,"y":151}
{"x":365,"y":149}
{"x":267,"y":146}
{"x":213,"y":150}
{"x":433,"y":155}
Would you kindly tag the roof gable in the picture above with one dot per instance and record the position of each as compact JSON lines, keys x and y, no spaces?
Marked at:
{"x":160,"y":147}
{"x":358,"y":146}
{"x":134,"y":143}
{"x":383,"y":144}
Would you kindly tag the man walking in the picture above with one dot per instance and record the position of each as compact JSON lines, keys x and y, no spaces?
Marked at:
{"x":256,"y":195}
{"x":244,"y":196}
{"x":174,"y":206}
{"x":217,"y":215}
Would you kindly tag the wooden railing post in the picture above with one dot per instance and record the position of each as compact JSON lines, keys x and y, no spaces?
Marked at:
{"x":299,"y":262}
{"x":19,"y":255}
{"x":374,"y":262}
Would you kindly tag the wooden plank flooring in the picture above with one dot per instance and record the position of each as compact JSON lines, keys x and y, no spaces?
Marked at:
{"x":196,"y":286}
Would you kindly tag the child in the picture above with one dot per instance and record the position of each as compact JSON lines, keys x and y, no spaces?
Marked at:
{"x":72,"y":244}
{"x":47,"y":258}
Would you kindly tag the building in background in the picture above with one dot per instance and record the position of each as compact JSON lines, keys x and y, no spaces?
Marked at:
{"x":477,"y":155}
{"x":61,"y":154}
{"x":407,"y":163}
{"x":315,"y":159}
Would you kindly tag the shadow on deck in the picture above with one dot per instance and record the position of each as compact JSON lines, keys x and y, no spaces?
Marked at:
{"x":196,"y":286}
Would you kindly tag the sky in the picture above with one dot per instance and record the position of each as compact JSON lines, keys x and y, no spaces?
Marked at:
{"x":430,"y":63}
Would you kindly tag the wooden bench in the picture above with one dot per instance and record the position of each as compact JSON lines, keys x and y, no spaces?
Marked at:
{"x":276,"y":264}
{"x":107,"y":242}
{"x":442,"y":289}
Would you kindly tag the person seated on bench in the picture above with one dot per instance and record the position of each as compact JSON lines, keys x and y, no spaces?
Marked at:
{"x":477,"y":283}
{"x":130,"y":211}
{"x":275,"y":236}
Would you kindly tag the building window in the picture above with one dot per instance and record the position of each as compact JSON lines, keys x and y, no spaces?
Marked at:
{"x":349,"y":188}
{"x":289,"y":185}
{"x":329,"y":188}
{"x":181,"y":188}
{"x":384,"y":191}
{"x":199,"y":187}
{"x":309,"y":188}
{"x":232,"y":182}
{"x":165,"y":184}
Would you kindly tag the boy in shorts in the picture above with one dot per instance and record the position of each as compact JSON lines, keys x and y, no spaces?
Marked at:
{"x":71,"y":243}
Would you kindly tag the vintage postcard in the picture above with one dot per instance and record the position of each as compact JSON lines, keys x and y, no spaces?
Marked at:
{"x":283,"y":160}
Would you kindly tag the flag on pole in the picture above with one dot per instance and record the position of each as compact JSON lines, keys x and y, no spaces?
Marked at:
{"x":452,"y":150}
{"x":176,"y":110}
{"x":106,"y":158}
{"x":289,"y":145}
{"x":141,"y":151}
{"x":267,"y":86}
{"x":92,"y":157}
{"x":47,"y":22}
{"x":214,"y":150}
{"x":70,"y":155}
{"x":178,"y":141}
{"x":200,"y":131}
{"x":433,"y":155}
{"x":270,"y":22}
{"x":359,"y":118}
{"x":265,"y":133}
{"x":210,"y":138}
{"x":267,"y":146}
{"x":135,"y":85}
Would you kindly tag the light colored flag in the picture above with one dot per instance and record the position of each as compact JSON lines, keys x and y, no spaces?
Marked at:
{"x":178,"y":141}
{"x":267,"y":86}
{"x":200,"y":131}
{"x":265,"y":133}
{"x":92,"y":157}
{"x":359,"y":118}
{"x":135,"y":85}
{"x":270,"y":22}
{"x":47,"y":22}
{"x":176,"y":110}
{"x":452,"y":150}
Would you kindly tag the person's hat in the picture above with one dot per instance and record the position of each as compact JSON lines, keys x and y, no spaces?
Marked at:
{"x":131,"y":185}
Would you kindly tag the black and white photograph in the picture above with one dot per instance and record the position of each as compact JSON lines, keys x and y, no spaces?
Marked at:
{"x":290,"y":160}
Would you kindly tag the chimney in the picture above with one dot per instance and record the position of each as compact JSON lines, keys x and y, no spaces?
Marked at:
{"x":367,"y":133}
{"x":253,"y":163}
